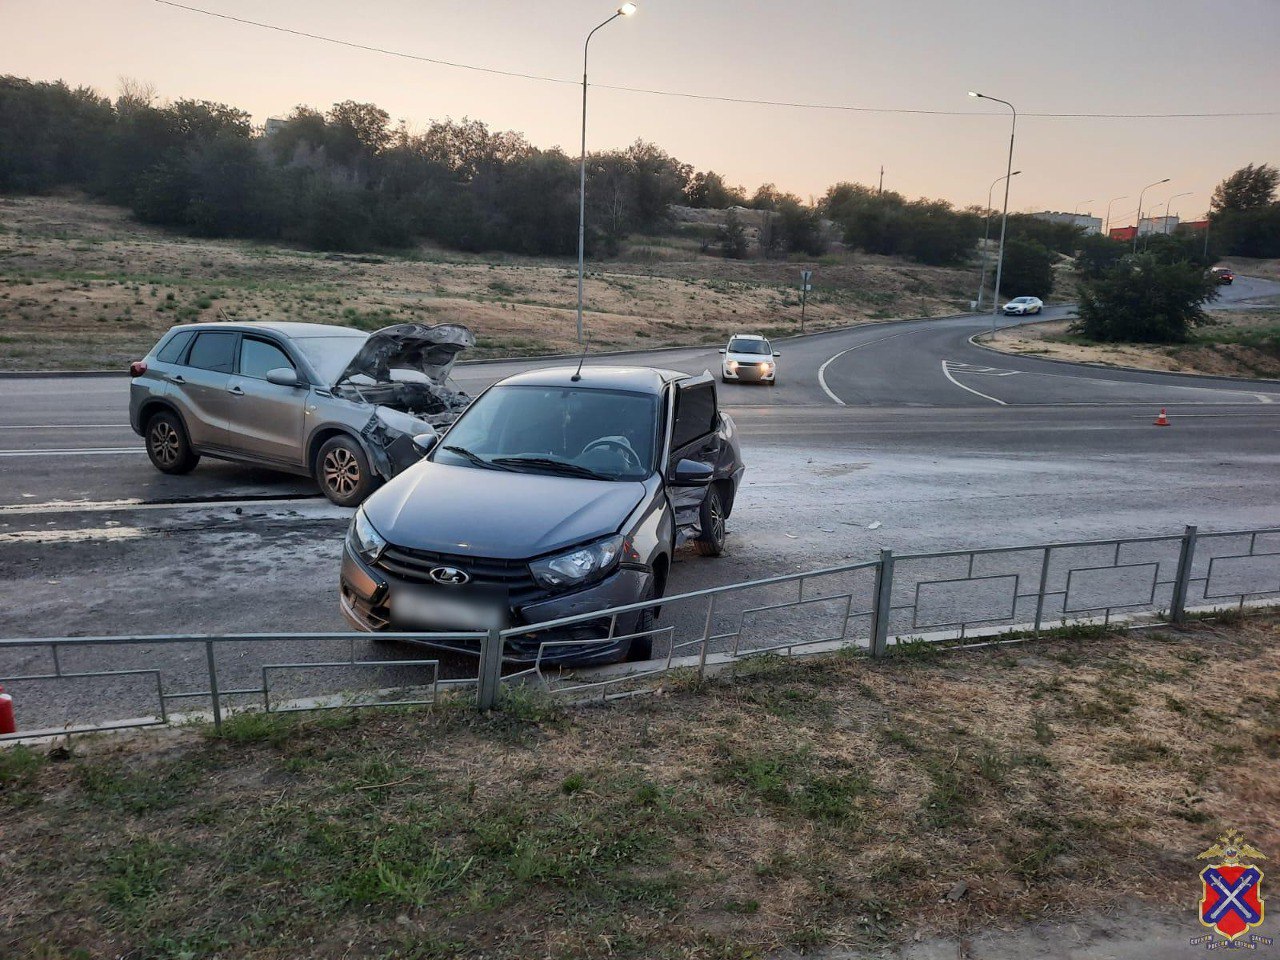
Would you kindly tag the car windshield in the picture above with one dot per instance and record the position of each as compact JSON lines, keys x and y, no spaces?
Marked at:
{"x":599,"y":434}
{"x":330,"y":355}
{"x":737,"y":345}
{"x":1021,"y":300}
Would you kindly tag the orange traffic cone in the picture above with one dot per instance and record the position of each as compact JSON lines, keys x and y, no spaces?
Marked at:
{"x":1162,"y":420}
{"x":7,"y":724}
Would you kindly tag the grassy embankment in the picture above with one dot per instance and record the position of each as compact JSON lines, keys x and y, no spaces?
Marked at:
{"x":797,"y":804}
{"x":84,"y":286}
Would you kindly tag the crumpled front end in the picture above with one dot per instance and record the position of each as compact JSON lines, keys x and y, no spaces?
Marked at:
{"x":402,"y":370}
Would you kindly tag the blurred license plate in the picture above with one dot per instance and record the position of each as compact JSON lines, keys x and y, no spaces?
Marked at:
{"x":452,"y":609}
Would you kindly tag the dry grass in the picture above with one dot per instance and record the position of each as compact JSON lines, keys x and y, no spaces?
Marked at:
{"x":83,"y":286}
{"x":798,"y":804}
{"x":1241,"y":343}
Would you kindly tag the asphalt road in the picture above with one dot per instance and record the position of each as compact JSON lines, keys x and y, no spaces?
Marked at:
{"x":900,"y":435}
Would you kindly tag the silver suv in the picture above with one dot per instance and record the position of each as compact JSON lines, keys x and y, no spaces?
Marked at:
{"x":349,"y":408}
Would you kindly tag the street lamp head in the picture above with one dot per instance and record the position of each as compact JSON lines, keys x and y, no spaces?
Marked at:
{"x":627,"y":9}
{"x":1015,"y":173}
{"x":973,"y":94}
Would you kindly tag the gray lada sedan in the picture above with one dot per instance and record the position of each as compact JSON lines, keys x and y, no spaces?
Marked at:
{"x":554,"y":494}
{"x":351,"y":409}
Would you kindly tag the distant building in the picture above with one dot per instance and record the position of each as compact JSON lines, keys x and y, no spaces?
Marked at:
{"x":1123,"y":234}
{"x":1194,"y":226}
{"x":1150,"y":225}
{"x":1083,"y":220}
{"x":273,"y":126}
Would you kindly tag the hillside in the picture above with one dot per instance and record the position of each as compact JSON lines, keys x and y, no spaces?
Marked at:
{"x":83,"y":286}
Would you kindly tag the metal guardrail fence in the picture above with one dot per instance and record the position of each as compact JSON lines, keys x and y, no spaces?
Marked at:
{"x":866,"y":606}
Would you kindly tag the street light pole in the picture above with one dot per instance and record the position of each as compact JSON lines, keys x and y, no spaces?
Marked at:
{"x":1004,"y":217}
{"x":1167,"y":204}
{"x":1076,"y":211}
{"x":986,"y":237}
{"x":1138,"y":222}
{"x":1107,"y":229}
{"x":626,"y":10}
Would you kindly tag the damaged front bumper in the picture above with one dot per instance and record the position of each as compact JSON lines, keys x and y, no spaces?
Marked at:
{"x":366,"y":597}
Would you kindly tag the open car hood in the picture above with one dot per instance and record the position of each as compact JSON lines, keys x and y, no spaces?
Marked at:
{"x":410,"y":346}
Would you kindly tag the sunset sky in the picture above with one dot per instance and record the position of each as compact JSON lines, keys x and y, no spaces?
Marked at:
{"x":1080,"y":56}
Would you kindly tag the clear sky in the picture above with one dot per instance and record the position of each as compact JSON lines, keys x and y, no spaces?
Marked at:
{"x":1091,"y":56}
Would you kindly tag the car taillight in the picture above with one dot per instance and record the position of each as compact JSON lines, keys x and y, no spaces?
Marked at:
{"x":137,"y":368}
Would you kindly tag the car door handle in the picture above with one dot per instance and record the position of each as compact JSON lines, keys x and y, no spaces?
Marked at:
{"x":235,"y":391}
{"x":177,"y":378}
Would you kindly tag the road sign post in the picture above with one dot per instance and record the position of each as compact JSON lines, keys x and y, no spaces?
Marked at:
{"x":805,"y":287}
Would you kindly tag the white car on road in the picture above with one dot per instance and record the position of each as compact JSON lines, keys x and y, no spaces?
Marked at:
{"x":749,"y":357}
{"x":1021,"y":306}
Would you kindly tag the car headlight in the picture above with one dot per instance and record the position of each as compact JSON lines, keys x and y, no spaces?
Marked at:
{"x":578,"y":566}
{"x":364,"y":539}
{"x":731,"y":365}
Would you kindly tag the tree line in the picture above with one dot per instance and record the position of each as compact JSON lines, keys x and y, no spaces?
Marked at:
{"x":349,"y":179}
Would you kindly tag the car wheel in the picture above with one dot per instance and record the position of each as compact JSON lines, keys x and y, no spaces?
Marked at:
{"x":641,"y":648}
{"x":343,"y":472}
{"x":167,"y":445}
{"x":711,"y":543}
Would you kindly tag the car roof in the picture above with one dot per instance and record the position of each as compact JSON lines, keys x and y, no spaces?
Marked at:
{"x":636,"y":379}
{"x":746,"y":336}
{"x":292,"y":330}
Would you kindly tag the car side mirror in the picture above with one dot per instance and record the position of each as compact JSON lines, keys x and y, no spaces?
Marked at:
{"x":283,"y":377}
{"x":424,"y":443}
{"x":720,"y":351}
{"x":776,"y":353}
{"x":691,"y":473}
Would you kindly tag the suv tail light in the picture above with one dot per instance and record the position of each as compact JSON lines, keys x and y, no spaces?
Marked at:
{"x":137,"y":368}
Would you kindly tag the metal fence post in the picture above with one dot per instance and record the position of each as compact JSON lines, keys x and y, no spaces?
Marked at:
{"x":1186,"y":555}
{"x":1044,"y":583}
{"x":213,"y":686}
{"x":490,"y":677}
{"x":884,"y":601}
{"x":706,"y":636}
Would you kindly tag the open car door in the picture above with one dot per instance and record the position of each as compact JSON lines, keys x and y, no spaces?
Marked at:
{"x":695,"y":436}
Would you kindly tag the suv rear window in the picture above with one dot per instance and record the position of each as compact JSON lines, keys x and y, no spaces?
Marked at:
{"x":214,"y":351}
{"x":172,"y":351}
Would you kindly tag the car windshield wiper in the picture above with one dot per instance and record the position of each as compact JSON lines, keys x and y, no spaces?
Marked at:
{"x":558,"y":466}
{"x":475,"y":458}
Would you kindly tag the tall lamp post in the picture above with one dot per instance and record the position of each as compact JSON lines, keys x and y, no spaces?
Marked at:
{"x":986,"y":236}
{"x":1076,"y":211}
{"x":626,"y":10}
{"x":1004,"y":217}
{"x":1107,"y":229}
{"x":1138,"y":222}
{"x":1169,"y":202}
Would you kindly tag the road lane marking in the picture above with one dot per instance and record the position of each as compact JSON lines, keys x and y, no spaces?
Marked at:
{"x":822,"y":370}
{"x":74,"y":536}
{"x":86,"y":452}
{"x":947,"y":373}
{"x":66,"y":426}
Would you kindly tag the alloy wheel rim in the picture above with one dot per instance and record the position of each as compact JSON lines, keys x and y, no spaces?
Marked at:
{"x":717,"y":521}
{"x":164,"y":443}
{"x":341,"y":471}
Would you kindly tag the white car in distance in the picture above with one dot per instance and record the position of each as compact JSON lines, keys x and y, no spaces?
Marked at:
{"x":1021,"y":306}
{"x":749,"y":357}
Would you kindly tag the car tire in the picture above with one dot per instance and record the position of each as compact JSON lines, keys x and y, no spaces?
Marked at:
{"x":168,"y":446}
{"x":711,"y":516}
{"x":641,"y":648}
{"x":342,"y":470}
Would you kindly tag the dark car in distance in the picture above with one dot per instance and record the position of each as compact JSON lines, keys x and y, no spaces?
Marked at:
{"x":556,"y":493}
{"x":1222,"y":275}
